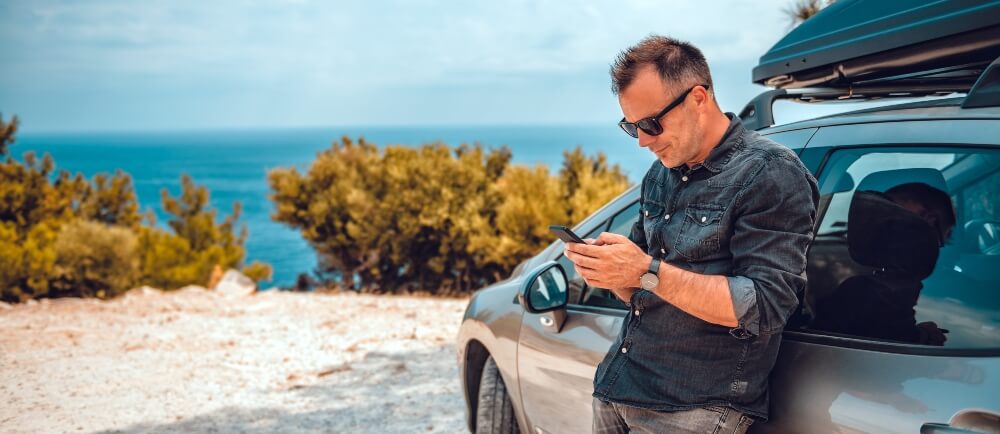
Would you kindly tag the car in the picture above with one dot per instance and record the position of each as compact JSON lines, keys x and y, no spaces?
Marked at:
{"x":898,"y":330}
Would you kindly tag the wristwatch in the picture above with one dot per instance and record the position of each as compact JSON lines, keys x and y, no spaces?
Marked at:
{"x":650,"y":280}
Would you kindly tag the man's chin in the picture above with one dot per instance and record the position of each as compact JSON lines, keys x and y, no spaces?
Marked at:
{"x":668,"y":163}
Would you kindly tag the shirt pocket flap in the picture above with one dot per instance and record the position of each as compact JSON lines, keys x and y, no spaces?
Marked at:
{"x":704,"y":214}
{"x":652,"y":209}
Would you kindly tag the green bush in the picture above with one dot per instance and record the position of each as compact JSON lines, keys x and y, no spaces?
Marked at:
{"x":258,"y":272}
{"x":7,"y":133}
{"x":197,"y":245}
{"x":432,"y":218}
{"x":62,"y":235}
{"x":93,"y":259}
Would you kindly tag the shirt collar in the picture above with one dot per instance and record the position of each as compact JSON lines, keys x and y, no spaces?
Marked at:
{"x":731,"y":142}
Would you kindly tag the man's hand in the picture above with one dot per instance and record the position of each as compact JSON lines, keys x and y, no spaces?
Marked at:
{"x":611,"y":261}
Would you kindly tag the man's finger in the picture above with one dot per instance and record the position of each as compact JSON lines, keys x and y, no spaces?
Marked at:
{"x":584,"y":261}
{"x":592,"y":280}
{"x":613,"y":238}
{"x":589,"y":274}
{"x":584,"y":249}
{"x":584,"y":271}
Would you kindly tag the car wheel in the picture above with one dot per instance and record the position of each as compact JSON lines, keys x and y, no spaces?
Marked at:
{"x":494,"y":411}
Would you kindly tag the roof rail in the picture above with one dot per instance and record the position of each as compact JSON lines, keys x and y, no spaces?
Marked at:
{"x":986,"y":91}
{"x":758,"y":113}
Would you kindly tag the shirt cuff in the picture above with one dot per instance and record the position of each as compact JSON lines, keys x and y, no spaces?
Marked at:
{"x":744,"y":295}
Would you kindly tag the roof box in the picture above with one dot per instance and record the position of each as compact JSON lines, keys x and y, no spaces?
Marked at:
{"x":888,"y":44}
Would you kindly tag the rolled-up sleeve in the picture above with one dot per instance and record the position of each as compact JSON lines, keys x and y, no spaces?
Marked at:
{"x":772,"y":232}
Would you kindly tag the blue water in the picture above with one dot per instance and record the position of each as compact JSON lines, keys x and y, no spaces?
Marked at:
{"x":233,"y":164}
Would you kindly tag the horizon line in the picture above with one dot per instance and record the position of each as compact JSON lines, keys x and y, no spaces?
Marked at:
{"x":217,"y":129}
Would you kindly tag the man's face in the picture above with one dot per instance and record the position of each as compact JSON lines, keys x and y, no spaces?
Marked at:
{"x":645,"y":97}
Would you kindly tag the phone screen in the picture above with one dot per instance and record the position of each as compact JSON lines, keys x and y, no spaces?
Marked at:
{"x":564,"y":233}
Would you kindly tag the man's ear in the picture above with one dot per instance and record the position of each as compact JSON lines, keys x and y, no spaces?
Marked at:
{"x":701,"y":95}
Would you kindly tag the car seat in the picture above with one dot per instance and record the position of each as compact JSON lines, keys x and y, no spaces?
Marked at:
{"x":899,"y":245}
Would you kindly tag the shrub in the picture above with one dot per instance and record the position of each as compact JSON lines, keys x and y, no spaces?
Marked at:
{"x":258,"y":272}
{"x":94,"y":259}
{"x":62,"y":235}
{"x":432,"y":218}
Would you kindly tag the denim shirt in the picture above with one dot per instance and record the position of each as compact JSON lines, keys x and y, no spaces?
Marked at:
{"x":747,"y":213}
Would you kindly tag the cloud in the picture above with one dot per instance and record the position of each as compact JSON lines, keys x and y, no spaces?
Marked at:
{"x":273,"y":54}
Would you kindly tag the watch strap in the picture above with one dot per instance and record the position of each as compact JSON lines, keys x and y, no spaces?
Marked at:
{"x":654,"y":266}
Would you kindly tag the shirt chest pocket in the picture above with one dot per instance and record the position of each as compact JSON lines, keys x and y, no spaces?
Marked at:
{"x":699,"y":235}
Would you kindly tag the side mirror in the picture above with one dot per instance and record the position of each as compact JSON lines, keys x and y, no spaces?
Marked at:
{"x":544,"y":288}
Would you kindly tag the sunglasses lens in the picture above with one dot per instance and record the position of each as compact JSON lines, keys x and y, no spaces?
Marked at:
{"x":650,"y":126}
{"x":629,"y":129}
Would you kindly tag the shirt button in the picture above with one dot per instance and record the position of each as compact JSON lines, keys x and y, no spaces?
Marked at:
{"x":663,"y":251}
{"x":704,"y":219}
{"x":647,"y":213}
{"x":666,"y":217}
{"x":684,"y":178}
{"x":624,"y":350}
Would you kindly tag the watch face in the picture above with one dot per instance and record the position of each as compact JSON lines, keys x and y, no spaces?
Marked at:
{"x":649,"y":281}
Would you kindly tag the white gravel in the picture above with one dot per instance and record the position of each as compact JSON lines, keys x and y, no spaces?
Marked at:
{"x":200,"y":361}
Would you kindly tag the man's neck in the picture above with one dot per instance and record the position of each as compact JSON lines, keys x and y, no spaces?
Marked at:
{"x":715,"y":128}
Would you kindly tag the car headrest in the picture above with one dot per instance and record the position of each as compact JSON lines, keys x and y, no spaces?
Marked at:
{"x":885,"y":180}
{"x":844,"y":183}
{"x":882,"y":234}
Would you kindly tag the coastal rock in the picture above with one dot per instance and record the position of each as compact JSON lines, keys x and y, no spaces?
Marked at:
{"x":235,"y":283}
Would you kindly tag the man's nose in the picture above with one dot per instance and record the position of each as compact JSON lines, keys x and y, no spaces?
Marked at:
{"x":646,"y":140}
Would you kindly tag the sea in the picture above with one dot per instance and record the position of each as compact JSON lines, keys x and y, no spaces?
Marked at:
{"x":233,"y":164}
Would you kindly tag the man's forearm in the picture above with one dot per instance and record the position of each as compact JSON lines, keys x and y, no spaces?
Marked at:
{"x":705,"y":297}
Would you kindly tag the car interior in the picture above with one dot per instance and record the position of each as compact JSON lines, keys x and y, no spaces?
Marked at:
{"x":875,"y":260}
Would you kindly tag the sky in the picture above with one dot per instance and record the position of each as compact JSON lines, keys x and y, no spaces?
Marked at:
{"x":162,"y":65}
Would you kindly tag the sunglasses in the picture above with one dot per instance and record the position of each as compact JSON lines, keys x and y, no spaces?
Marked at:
{"x":651,"y":125}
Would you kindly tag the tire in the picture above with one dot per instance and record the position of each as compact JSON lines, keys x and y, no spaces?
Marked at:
{"x":494,"y":411}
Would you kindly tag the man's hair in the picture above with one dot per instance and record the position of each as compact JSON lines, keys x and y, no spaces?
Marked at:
{"x":677,"y":62}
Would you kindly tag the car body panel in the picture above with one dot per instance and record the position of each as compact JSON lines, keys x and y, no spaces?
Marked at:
{"x":817,"y":388}
{"x":557,"y":369}
{"x":492,"y":323}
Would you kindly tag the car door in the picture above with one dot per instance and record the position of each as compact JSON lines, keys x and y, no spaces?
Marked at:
{"x":556,"y":367}
{"x":865,"y":354}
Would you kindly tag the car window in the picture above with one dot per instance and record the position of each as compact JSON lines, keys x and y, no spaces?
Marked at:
{"x":908,"y":247}
{"x":576,"y":285}
{"x":621,"y":224}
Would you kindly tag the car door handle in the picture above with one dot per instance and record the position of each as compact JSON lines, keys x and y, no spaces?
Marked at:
{"x":968,"y":421}
{"x":553,"y":320}
{"x":942,"y":428}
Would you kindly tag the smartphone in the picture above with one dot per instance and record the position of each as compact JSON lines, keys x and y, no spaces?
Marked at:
{"x":566,"y":234}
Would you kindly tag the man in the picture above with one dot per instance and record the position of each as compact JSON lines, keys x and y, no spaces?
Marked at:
{"x":713,"y":266}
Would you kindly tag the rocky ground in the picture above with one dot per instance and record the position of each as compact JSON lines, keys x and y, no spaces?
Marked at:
{"x":200,"y":361}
